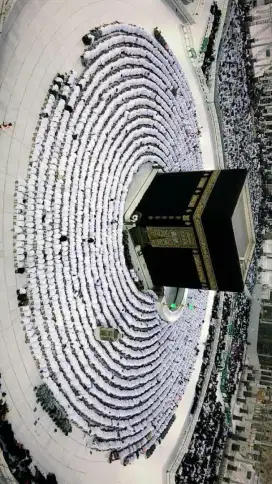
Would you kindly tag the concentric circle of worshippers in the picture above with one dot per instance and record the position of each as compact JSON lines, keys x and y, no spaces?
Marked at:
{"x":131,"y":106}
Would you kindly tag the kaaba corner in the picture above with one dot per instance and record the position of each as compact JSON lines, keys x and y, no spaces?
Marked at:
{"x":195,"y":229}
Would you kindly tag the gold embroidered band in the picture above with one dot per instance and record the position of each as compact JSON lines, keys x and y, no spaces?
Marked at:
{"x":172,"y":237}
{"x":200,"y":230}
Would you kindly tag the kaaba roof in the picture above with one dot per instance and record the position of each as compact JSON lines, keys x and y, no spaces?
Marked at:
{"x":243,"y":226}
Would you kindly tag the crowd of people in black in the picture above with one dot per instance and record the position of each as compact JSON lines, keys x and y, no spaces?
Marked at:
{"x":234,"y":363}
{"x":151,"y":450}
{"x":200,"y":463}
{"x":16,"y":456}
{"x":48,"y":402}
{"x":158,"y":36}
{"x":204,"y":366}
{"x":226,"y":313}
{"x":209,"y":53}
{"x":237,"y":98}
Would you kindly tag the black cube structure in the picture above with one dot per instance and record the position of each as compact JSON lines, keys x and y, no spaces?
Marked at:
{"x":190,"y":234}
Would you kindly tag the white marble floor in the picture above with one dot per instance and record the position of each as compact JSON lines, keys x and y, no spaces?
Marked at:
{"x":40,"y":38}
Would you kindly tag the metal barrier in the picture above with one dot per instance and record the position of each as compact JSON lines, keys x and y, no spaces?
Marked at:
{"x":198,"y":8}
{"x":180,"y":10}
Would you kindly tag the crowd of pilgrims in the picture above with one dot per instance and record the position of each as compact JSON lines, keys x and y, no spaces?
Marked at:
{"x":16,"y":456}
{"x":65,"y":298}
{"x":209,"y":52}
{"x":200,"y":463}
{"x":226,"y":314}
{"x":232,"y":371}
{"x":238,"y":96}
{"x":204,"y":366}
{"x":46,"y":399}
{"x":220,"y":312}
{"x":131,"y":105}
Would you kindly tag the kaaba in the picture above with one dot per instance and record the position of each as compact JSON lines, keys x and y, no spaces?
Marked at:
{"x":191,"y":227}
